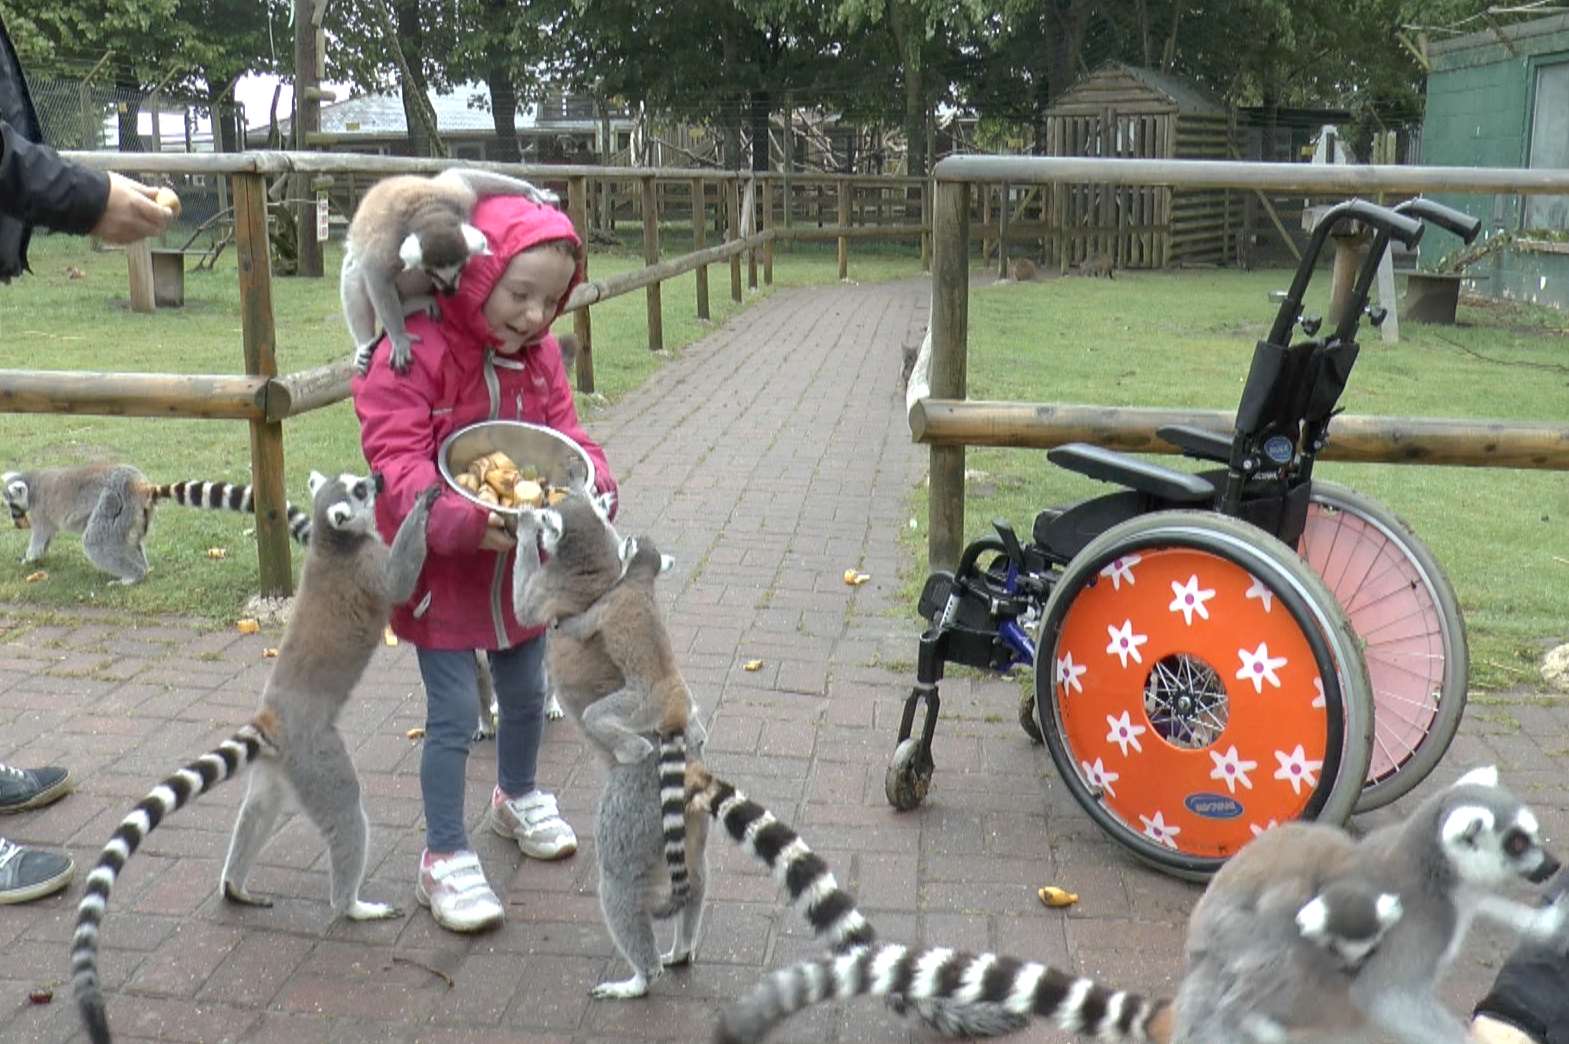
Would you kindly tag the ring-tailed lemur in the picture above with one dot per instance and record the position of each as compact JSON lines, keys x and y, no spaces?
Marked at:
{"x":111,"y":505}
{"x":408,"y":241}
{"x":643,"y":810}
{"x":1267,"y":947}
{"x":348,"y":586}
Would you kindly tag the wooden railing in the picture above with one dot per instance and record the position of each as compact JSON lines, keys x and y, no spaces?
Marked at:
{"x":942,"y":418}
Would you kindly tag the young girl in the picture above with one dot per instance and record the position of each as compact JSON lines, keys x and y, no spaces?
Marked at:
{"x":490,"y":356}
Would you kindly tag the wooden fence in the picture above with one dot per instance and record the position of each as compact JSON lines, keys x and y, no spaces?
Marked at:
{"x":941,"y":417}
{"x":264,"y":398}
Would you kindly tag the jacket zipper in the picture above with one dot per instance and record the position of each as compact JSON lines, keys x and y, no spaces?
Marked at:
{"x":497,"y":582}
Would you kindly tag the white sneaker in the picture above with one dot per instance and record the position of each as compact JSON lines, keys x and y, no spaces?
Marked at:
{"x":534,"y":822}
{"x":457,"y":893}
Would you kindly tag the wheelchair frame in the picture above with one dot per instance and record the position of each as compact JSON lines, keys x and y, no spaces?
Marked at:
{"x":996,"y":617}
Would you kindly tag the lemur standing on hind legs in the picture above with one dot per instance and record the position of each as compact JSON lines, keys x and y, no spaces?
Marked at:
{"x":348,"y":585}
{"x":111,"y":505}
{"x":645,"y":827}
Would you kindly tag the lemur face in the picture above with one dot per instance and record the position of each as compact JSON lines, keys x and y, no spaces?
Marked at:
{"x":346,"y":503}
{"x":14,"y":489}
{"x":1490,"y":836}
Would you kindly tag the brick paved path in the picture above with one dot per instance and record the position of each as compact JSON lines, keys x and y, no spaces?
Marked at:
{"x":769,"y":458}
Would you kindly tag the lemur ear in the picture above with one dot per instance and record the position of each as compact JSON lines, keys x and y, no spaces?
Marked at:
{"x":1486,"y":776}
{"x":476,"y":241}
{"x":316,"y":481}
{"x":550,"y":530}
{"x":1465,"y":823}
{"x":666,"y":563}
{"x":409,"y":252}
{"x":15,"y":488}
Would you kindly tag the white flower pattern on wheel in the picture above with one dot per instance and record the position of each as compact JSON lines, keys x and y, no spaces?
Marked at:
{"x":1297,"y":768}
{"x":1259,"y":591}
{"x":1068,"y":673}
{"x":1124,"y":733}
{"x":1157,"y":829}
{"x":1120,"y":569}
{"x":1124,"y":643}
{"x":1231,"y":769}
{"x":1259,"y":666}
{"x":1318,"y":687}
{"x":1097,"y":776}
{"x":1257,"y":830}
{"x":1189,"y":598}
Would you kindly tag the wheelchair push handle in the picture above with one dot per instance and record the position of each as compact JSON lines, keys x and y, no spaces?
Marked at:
{"x":1448,"y":218}
{"x":1408,"y":230}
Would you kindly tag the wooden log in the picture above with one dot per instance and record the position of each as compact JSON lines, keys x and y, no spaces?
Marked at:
{"x":304,"y":390}
{"x":259,"y":337}
{"x":699,"y":228}
{"x":844,"y":222}
{"x":656,"y":322}
{"x":201,"y":396}
{"x":139,"y":261}
{"x":578,"y":192}
{"x":595,"y":291}
{"x":949,"y":354}
{"x":1461,"y":442}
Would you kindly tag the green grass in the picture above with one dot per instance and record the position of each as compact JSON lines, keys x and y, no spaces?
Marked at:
{"x":49,"y":321}
{"x":1185,"y":340}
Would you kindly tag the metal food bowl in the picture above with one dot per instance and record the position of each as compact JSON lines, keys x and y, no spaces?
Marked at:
{"x":559,"y":460}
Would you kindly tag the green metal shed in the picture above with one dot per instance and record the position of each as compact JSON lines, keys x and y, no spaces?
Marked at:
{"x":1500,"y":98}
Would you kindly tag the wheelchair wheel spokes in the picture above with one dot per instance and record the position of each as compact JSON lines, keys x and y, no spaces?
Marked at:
{"x":1404,"y":612}
{"x":1193,"y":694}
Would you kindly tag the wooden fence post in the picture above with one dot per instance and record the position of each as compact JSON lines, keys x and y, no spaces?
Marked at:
{"x":733,"y":231}
{"x":844,"y":223}
{"x":1002,"y":230}
{"x":748,"y":226}
{"x":139,"y":262}
{"x":656,"y":326}
{"x":950,"y":217}
{"x":768,"y":222}
{"x":582,"y":325}
{"x":258,"y":332}
{"x":925,"y":197}
{"x":986,"y":220}
{"x":699,"y":238}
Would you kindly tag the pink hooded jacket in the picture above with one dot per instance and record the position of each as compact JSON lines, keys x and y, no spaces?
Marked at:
{"x":464,"y":597}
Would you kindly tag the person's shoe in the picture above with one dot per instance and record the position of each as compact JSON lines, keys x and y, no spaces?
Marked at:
{"x":455,"y":889}
{"x":31,"y":873}
{"x":22,"y":789}
{"x":534,"y":822}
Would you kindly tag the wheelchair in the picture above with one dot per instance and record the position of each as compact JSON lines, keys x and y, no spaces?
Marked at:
{"x":1220,"y":651}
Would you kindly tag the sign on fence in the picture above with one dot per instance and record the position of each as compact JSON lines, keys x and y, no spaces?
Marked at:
{"x":321,"y":219}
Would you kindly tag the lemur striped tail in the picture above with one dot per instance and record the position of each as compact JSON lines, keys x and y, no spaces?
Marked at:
{"x":672,"y":814}
{"x":958,"y":994}
{"x":813,"y":891}
{"x":201,"y":775}
{"x":226,"y":496}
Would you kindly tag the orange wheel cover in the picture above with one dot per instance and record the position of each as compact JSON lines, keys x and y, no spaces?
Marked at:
{"x":1188,"y":695}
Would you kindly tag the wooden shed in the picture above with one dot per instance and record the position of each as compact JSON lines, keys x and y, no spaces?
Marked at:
{"x":1127,"y":111}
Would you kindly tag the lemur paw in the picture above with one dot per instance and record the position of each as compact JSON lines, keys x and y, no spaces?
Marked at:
{"x":633,"y":749}
{"x":362,"y":358}
{"x":429,"y":495}
{"x":553,"y":711}
{"x":236,"y":894}
{"x":360,"y":910}
{"x":403,"y":354}
{"x":626,"y":989}
{"x":677,"y":957}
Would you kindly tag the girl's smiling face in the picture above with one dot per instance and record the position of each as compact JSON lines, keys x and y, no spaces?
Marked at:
{"x":524,"y":300}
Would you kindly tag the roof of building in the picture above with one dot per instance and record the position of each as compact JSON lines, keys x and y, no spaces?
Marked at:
{"x":1185,"y":95}
{"x":465,"y":110}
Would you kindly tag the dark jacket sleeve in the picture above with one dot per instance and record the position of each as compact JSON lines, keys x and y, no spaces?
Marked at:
{"x":37,"y":187}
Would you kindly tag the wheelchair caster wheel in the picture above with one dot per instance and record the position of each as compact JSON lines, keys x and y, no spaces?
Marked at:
{"x":1027,"y":720}
{"x":909,"y":775}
